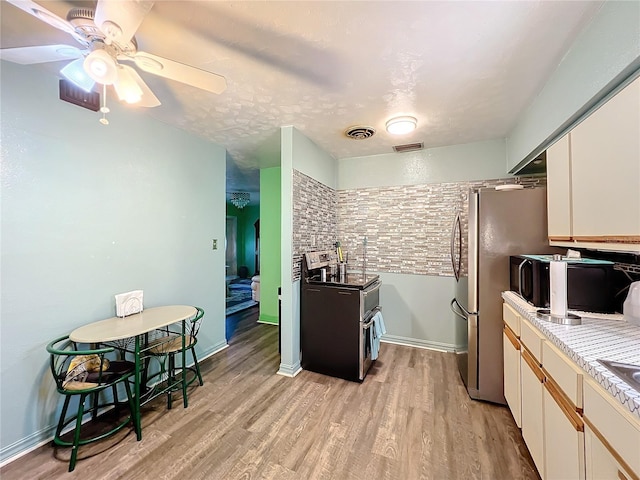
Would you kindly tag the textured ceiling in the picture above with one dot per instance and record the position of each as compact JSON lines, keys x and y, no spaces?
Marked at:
{"x":465,"y":70}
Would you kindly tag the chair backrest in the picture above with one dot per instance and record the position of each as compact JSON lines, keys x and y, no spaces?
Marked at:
{"x":195,"y":322}
{"x":67,"y":362}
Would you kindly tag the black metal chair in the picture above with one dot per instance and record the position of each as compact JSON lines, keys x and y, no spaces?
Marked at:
{"x":87,"y":373}
{"x":167,"y":346}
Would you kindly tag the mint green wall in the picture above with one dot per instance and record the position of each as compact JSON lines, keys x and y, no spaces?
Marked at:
{"x":299,"y":153}
{"x":479,"y":161}
{"x":270,"y":200}
{"x":605,"y":52}
{"x":416,"y":307}
{"x":89,"y":211}
{"x":246,"y":234}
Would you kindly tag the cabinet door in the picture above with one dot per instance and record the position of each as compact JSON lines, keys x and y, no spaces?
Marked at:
{"x":600,"y":464}
{"x":532,"y":409}
{"x":511,"y":353}
{"x":605,"y":170}
{"x":563,"y":441}
{"x":559,"y":190}
{"x":330,"y":331}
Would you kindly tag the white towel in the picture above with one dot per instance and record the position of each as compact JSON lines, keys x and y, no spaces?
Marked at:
{"x":377,"y":329}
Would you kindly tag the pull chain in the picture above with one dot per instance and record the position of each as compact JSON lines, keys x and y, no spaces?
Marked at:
{"x":104,"y":109}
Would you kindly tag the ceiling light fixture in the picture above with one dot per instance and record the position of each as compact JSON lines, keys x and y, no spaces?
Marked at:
{"x":401,"y":125}
{"x":240,"y":199}
{"x":126,"y":86}
{"x":75,"y":73}
{"x":101,"y":67}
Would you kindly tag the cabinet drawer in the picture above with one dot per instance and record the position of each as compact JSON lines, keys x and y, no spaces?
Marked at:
{"x":531,"y":338}
{"x":566,"y":374}
{"x":511,"y":318}
{"x":613,"y":426}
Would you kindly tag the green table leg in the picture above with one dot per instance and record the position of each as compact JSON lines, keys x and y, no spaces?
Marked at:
{"x":184,"y":370}
{"x":136,"y":389}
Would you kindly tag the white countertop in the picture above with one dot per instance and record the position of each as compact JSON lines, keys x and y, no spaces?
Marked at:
{"x":606,"y":337}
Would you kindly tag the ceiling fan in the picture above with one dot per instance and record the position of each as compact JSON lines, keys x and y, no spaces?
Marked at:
{"x":106,"y":36}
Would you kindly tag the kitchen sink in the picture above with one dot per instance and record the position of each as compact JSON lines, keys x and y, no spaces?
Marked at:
{"x":628,"y":372}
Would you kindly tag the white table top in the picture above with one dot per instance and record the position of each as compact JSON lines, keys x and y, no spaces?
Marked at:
{"x":117,"y":328}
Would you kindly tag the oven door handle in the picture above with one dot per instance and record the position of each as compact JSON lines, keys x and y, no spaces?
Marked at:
{"x":367,"y":323}
{"x":372,"y":288}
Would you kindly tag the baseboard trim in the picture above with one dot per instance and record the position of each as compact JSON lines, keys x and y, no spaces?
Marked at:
{"x":416,"y":343}
{"x":262,"y":318}
{"x":25,"y":445}
{"x":289,"y":370}
{"x":218,"y":347}
{"x":41,"y":437}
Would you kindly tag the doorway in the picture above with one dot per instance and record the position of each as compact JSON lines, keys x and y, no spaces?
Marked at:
{"x":231,"y":253}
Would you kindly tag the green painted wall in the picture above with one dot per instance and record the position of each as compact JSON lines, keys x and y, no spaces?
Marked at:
{"x":246,"y":235}
{"x":270,"y":201}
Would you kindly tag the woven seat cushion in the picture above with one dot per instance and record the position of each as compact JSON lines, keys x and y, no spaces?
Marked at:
{"x":117,"y":368}
{"x":169,"y":344}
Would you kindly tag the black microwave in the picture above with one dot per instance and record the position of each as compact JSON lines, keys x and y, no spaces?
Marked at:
{"x":589,"y":282}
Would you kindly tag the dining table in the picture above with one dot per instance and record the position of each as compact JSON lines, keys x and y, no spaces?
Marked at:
{"x":137,"y":328}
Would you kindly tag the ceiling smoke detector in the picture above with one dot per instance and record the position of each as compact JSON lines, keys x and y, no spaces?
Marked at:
{"x":360,"y":132}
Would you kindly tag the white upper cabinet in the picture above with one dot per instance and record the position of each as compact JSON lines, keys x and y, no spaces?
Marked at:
{"x":559,"y":190}
{"x":594,"y":178}
{"x":605,"y":172}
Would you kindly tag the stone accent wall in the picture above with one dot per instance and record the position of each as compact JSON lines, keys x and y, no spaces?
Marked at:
{"x":315,"y":207}
{"x":408,"y":228}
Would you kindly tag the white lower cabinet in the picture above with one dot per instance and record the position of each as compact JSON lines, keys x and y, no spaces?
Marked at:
{"x":601,"y":464}
{"x":563,"y":439}
{"x":511,"y":354}
{"x":574,"y":429}
{"x":532,"y":410}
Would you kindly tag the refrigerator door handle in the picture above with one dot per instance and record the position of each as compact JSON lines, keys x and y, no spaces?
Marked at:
{"x":459,"y":310}
{"x":456,"y":230}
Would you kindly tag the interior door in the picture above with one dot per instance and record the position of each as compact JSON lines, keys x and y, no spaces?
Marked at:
{"x":231,"y":254}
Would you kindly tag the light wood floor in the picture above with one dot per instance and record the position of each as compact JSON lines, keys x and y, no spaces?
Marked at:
{"x":410,"y":419}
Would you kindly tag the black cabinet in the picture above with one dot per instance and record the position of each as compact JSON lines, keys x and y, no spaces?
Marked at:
{"x":330,"y":330}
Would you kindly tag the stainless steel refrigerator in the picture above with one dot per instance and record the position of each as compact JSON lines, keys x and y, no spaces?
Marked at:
{"x":500,"y":223}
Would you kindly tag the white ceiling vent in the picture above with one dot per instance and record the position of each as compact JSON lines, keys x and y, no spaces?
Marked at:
{"x":409,"y":147}
{"x":360,"y":132}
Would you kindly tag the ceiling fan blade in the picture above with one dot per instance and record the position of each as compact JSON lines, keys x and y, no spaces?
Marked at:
{"x":193,"y":76}
{"x":45,"y":15}
{"x":40,"y":54}
{"x":147,"y":98}
{"x":120,"y":19}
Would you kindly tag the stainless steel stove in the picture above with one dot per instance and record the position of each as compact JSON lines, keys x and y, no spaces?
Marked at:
{"x":336,"y":315}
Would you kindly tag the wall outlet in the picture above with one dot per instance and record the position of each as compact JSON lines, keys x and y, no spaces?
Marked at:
{"x":214,"y":244}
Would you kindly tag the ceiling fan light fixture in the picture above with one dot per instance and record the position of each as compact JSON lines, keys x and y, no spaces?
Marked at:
{"x":126,"y":87}
{"x":101,"y":66}
{"x":76,"y":74}
{"x":401,"y":125}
